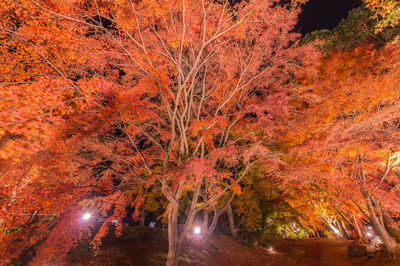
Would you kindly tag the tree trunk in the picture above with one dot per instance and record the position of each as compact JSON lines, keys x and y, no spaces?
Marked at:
{"x":217,"y":213}
{"x":391,"y":226}
{"x":231,"y":221}
{"x":360,"y":235}
{"x":142,"y":216}
{"x":214,"y":222}
{"x":176,"y":238}
{"x":347,"y":224}
{"x":341,"y":228}
{"x":205,"y":222}
{"x":173,"y":243}
{"x":391,"y":245}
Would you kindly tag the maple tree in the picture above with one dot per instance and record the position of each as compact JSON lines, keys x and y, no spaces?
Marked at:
{"x":122,"y":107}
{"x":148,"y":92}
{"x":35,"y":99}
{"x":350,"y":131}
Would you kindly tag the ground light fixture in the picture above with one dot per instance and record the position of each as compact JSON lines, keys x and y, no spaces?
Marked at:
{"x":86,"y":216}
{"x":270,"y":249}
{"x":197,"y":230}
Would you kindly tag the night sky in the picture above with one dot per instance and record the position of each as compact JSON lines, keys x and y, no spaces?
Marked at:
{"x":324,"y":14}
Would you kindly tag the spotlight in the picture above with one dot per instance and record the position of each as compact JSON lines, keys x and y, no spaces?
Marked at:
{"x":86,"y":216}
{"x":197,"y":230}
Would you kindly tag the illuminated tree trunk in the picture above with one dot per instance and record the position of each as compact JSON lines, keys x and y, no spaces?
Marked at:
{"x":347,"y":223}
{"x":391,"y":226}
{"x":231,"y":221}
{"x":173,"y":243}
{"x":359,"y":233}
{"x":218,"y":213}
{"x":341,"y":228}
{"x":213,"y":223}
{"x":205,"y":222}
{"x":391,"y":245}
{"x":176,"y":238}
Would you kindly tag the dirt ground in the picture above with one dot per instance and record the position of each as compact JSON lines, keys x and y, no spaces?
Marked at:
{"x":287,"y":252}
{"x":144,"y":247}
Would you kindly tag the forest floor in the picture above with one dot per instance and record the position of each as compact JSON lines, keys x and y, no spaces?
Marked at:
{"x":139,"y":246}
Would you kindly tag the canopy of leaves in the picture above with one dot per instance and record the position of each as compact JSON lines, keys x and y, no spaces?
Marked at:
{"x":386,"y":12}
{"x":357,"y":29}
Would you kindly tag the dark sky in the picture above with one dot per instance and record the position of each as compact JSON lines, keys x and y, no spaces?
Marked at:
{"x":324,"y":14}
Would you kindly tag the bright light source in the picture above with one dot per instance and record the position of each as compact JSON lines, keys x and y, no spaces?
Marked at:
{"x":87,"y":216}
{"x":334,"y":229}
{"x":369,"y":234}
{"x":271,"y":249}
{"x":369,"y":227}
{"x":197,"y":230}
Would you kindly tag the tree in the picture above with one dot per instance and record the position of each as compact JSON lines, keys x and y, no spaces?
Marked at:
{"x":36,"y":97}
{"x":269,"y":204}
{"x":387,"y":12}
{"x":351,"y":130}
{"x":358,"y":28}
{"x":162,"y":100}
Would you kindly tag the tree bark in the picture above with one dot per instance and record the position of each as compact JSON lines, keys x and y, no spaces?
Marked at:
{"x":391,"y":226}
{"x":391,"y":245}
{"x":341,"y":229}
{"x":176,"y":238}
{"x":173,"y":243}
{"x":218,"y":213}
{"x":231,"y":221}
{"x":214,"y":222}
{"x":142,"y":216}
{"x":360,"y":235}
{"x":205,"y":221}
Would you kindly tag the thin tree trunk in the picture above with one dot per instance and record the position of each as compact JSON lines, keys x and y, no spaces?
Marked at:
{"x":142,"y":216}
{"x":341,"y":233}
{"x":190,"y":218}
{"x":231,"y":221}
{"x":217,"y":213}
{"x":346,"y":223}
{"x":341,"y":228}
{"x":205,"y":222}
{"x":346,"y":229}
{"x":360,"y":235}
{"x":214,"y":222}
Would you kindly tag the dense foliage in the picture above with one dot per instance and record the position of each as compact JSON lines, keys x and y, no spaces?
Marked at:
{"x":184,"y":110}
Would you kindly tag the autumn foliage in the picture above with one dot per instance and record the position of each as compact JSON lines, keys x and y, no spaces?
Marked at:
{"x":350,"y":130}
{"x":387,"y":12}
{"x":138,"y":94}
{"x":119,"y":108}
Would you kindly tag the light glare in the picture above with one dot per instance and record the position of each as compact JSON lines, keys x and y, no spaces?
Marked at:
{"x":86,"y":216}
{"x":197,"y":230}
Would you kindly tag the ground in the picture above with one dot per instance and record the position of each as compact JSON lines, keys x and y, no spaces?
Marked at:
{"x":142,"y":246}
